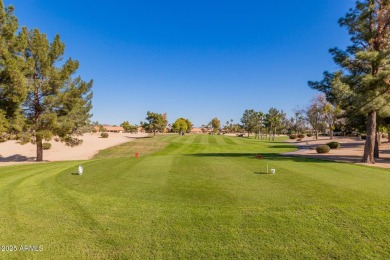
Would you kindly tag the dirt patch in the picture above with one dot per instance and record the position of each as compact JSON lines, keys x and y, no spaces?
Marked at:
{"x":351,"y":150}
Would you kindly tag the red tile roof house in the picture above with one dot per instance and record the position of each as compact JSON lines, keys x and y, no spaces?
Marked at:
{"x":114,"y":129}
{"x":111,"y":129}
{"x":199,"y":130}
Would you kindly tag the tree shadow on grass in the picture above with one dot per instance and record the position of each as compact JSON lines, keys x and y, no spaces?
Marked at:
{"x":139,"y":137}
{"x":262,"y":173}
{"x":309,"y":144}
{"x":329,"y":157}
{"x":17,"y":158}
{"x":229,"y":154}
{"x":282,"y":146}
{"x":264,"y":156}
{"x":303,"y":158}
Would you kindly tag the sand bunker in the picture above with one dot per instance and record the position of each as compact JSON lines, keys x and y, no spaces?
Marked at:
{"x":351,"y":150}
{"x":12,"y":152}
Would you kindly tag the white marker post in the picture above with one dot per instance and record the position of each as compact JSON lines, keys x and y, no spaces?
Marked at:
{"x":80,"y":169}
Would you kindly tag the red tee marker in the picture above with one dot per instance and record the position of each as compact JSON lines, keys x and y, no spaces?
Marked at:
{"x":136,"y":155}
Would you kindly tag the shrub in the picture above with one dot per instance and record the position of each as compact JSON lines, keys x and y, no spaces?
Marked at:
{"x":309,"y":135}
{"x":323,"y":149}
{"x":333,"y":145}
{"x":363,"y":137}
{"x":46,"y":146}
{"x":94,"y":130}
{"x":104,"y":135}
{"x":301,"y":136}
{"x":293,"y":136}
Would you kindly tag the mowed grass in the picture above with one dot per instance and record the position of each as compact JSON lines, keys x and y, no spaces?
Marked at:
{"x":196,"y":197}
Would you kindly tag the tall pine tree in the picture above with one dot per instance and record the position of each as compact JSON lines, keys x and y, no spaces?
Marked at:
{"x":363,"y":81}
{"x":56,"y":103}
{"x":40,"y":98}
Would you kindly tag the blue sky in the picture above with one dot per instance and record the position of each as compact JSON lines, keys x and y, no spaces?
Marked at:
{"x":194,"y":59}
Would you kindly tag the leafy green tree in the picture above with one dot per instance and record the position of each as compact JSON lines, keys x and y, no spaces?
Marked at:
{"x":362,"y":83}
{"x":129,"y":127}
{"x":156,"y":122}
{"x":249,"y":120}
{"x":189,"y":125}
{"x":180,"y":126}
{"x":125,"y":125}
{"x":133,"y":129}
{"x":215,"y":124}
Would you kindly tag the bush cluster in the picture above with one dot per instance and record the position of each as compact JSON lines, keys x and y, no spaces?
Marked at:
{"x":323,"y":149}
{"x":46,"y":146}
{"x":293,"y":136}
{"x":301,"y":136}
{"x":333,"y":145}
{"x":104,"y":135}
{"x":309,"y":135}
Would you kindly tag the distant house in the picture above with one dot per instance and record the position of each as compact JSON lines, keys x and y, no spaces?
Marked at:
{"x":111,"y":129}
{"x":200,"y":130}
{"x":196,"y":130}
{"x":114,"y":129}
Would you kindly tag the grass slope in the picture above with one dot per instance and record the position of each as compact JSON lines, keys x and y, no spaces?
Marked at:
{"x":196,"y":196}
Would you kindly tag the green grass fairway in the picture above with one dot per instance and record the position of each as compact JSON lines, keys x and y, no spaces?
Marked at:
{"x":196,"y":197}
